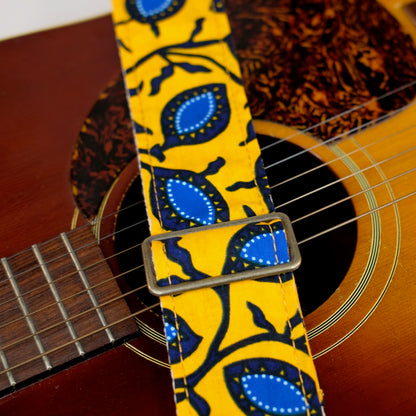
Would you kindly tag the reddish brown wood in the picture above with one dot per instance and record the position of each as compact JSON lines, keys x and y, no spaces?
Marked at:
{"x":115,"y":383}
{"x":91,"y":306}
{"x":361,"y":378}
{"x":48,"y":84}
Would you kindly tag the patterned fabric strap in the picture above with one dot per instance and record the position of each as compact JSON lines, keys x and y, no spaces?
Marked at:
{"x":237,"y":349}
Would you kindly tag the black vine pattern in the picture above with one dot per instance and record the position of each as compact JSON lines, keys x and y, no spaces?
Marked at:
{"x":186,"y":50}
{"x":181,"y":198}
{"x":216,"y":354}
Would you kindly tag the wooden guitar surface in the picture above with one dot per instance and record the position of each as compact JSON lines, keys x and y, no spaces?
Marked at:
{"x":362,"y":336}
{"x":48,"y":87}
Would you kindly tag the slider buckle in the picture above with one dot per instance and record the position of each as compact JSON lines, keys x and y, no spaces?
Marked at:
{"x":257,"y":273}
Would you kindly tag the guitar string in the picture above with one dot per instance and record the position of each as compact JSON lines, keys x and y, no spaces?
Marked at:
{"x":403,"y":87}
{"x":151,"y":307}
{"x":70,"y":297}
{"x":339,"y":158}
{"x":267,"y":167}
{"x":323,"y":143}
{"x":357,"y":217}
{"x":321,"y":123}
{"x":351,"y":175}
{"x":278,"y":141}
{"x":144,"y":220}
{"x":349,"y":197}
{"x":121,"y":296}
{"x":389,"y":180}
{"x":353,"y":219}
{"x":67,"y":275}
{"x":78,"y":315}
{"x":102,"y":238}
{"x":331,"y":140}
{"x":46,"y":285}
{"x":80,"y":338}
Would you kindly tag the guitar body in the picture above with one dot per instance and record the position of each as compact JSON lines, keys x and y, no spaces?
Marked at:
{"x":48,"y":87}
{"x":362,"y":334}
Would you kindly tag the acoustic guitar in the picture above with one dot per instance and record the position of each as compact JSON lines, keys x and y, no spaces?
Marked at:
{"x":331,"y":86}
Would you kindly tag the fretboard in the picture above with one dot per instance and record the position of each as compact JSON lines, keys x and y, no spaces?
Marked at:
{"x":58,"y":301}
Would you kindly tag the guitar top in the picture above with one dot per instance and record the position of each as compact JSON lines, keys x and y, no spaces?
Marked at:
{"x":68,"y":163}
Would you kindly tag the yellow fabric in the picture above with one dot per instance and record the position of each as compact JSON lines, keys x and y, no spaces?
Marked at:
{"x":173,"y":53}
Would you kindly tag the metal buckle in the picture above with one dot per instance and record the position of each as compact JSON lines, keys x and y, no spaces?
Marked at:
{"x":157,"y":290}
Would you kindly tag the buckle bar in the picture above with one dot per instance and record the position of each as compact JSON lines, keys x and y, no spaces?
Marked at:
{"x":157,"y":290}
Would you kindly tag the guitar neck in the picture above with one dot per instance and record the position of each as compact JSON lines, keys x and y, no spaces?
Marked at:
{"x":59,"y":301}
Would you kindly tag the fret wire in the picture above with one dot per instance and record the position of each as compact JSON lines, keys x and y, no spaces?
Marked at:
{"x":57,"y":298}
{"x":88,"y":225}
{"x":404,"y":87}
{"x":396,"y":200}
{"x":293,"y":221}
{"x":26,"y":313}
{"x":80,"y":248}
{"x":119,"y":321}
{"x":67,"y":275}
{"x":43,"y":308}
{"x":327,"y":207}
{"x":78,"y":315}
{"x":85,"y":282}
{"x":9,"y":374}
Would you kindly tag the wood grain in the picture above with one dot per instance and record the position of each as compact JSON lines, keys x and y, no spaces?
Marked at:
{"x":60,"y":312}
{"x":48,"y":83}
{"x":364,"y":360}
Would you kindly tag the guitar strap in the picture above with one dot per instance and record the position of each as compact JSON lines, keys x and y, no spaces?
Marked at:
{"x":235,"y":346}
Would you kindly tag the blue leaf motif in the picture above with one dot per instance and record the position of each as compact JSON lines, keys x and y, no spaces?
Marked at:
{"x":190,"y":202}
{"x":149,"y":11}
{"x":151,"y":7}
{"x":195,"y":112}
{"x":273,"y":394}
{"x":170,"y":331}
{"x":267,"y":249}
{"x":182,"y":341}
{"x":265,"y":386}
{"x":181,"y":199}
{"x":256,"y":245}
{"x":194,"y":116}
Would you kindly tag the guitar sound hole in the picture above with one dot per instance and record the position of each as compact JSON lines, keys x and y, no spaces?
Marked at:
{"x":325,"y":259}
{"x":131,"y":229}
